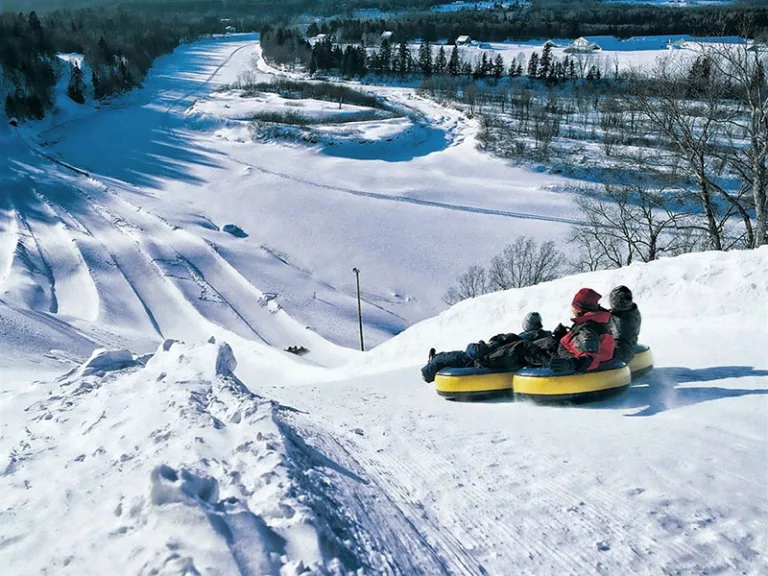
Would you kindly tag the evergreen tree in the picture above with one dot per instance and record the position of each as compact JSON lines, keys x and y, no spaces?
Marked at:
{"x":385,"y":57}
{"x":498,"y":67}
{"x":454,"y":63}
{"x":441,"y":62}
{"x":572,"y":70}
{"x":98,"y":91}
{"x":403,"y":58}
{"x":361,"y":69}
{"x":513,"y":69}
{"x":533,"y":65}
{"x":425,"y":58}
{"x":545,"y":62}
{"x":76,"y":88}
{"x":699,"y":76}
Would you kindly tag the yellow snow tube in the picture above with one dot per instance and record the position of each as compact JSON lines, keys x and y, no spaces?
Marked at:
{"x":472,"y":383}
{"x":642,"y":361}
{"x":542,"y":384}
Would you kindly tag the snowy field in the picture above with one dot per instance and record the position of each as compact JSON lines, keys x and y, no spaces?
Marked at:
{"x":220,"y":453}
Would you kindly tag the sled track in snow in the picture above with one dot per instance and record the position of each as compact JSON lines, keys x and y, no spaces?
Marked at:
{"x":9,"y":236}
{"x":370,"y":530}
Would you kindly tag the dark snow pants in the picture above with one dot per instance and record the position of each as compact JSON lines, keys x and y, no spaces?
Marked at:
{"x":455,"y":359}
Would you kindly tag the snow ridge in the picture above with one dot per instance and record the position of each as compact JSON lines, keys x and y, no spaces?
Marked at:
{"x":171,"y":467}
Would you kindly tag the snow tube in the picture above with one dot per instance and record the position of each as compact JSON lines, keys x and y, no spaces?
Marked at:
{"x":472,"y":383}
{"x":541,"y":384}
{"x":642,"y":361}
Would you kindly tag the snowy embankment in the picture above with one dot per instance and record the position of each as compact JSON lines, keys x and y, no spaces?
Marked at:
{"x":162,"y":464}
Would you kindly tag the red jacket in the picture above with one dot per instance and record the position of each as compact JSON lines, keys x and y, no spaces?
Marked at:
{"x":589,"y":337}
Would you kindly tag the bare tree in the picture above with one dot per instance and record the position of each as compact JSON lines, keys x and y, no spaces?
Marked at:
{"x":632,"y":223}
{"x":694,"y":129}
{"x":743,"y":68}
{"x":525,"y":263}
{"x":470,"y":284}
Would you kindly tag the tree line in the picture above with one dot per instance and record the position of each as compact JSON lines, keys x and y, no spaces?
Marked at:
{"x":119,"y":46}
{"x":555,"y":20}
{"x":288,"y":47}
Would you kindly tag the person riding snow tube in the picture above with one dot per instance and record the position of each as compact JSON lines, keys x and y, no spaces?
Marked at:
{"x":642,"y":361}
{"x":573,"y":361}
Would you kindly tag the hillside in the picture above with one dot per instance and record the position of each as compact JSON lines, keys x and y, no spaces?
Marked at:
{"x":153,"y":420}
{"x":178,"y":463}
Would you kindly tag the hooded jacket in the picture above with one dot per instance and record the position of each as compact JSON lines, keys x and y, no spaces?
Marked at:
{"x":589,"y":340}
{"x":625,"y":328}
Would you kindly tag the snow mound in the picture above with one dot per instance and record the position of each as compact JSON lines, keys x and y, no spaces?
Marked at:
{"x":174,"y":467}
{"x":102,"y":360}
{"x":673,"y":294}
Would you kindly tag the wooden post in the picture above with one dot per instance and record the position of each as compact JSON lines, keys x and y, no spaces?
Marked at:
{"x":359,"y":308}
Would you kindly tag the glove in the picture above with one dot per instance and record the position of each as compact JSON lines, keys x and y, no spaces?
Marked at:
{"x":559,"y":332}
{"x":562,"y":365}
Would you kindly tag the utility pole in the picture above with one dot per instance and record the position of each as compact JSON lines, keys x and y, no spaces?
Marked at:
{"x":359,"y":308}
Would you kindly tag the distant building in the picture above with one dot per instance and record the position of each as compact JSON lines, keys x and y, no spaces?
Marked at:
{"x":582,"y":45}
{"x":230,"y":30}
{"x":386,"y":35}
{"x":319,"y":38}
{"x":463,"y":40}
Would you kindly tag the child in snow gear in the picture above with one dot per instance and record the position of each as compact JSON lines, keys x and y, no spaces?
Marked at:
{"x":589,"y":341}
{"x":625,"y":323}
{"x":502,"y":352}
{"x":533,"y":328}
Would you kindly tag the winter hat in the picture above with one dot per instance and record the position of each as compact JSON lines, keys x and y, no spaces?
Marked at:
{"x":621,"y":298}
{"x":586,"y":300}
{"x":532,"y":321}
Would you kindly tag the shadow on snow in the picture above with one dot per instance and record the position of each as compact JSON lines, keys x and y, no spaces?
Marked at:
{"x":660,"y":390}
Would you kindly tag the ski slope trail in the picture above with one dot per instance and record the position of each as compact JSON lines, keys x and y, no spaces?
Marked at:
{"x":87,"y":249}
{"x":326,"y":210}
{"x":668,"y":478}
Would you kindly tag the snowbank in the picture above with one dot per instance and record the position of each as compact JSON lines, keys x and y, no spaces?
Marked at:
{"x":174,"y":468}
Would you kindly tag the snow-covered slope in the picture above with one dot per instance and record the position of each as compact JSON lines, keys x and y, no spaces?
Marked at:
{"x":179,"y":463}
{"x":390,"y":208}
{"x":162,"y":457}
{"x":169,"y":468}
{"x":671,"y":477}
{"x":700,"y":293}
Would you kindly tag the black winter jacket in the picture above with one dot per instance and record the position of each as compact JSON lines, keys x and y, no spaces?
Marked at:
{"x":531,"y":335}
{"x":625,"y":327}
